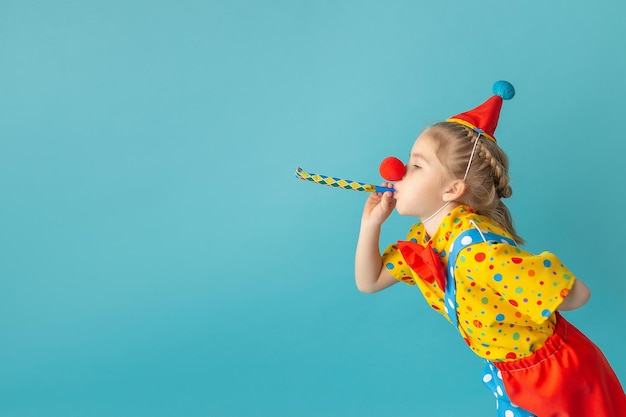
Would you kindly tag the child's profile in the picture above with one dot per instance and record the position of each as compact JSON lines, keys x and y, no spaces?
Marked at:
{"x":464,"y":256}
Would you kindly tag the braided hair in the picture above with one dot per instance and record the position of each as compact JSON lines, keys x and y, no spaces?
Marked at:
{"x":487,"y":180}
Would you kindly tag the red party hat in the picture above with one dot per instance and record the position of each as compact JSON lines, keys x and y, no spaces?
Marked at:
{"x":484,"y":118}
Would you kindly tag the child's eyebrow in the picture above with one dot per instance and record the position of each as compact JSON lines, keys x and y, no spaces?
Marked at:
{"x":418,"y":156}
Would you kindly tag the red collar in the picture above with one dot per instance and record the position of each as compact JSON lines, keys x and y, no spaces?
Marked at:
{"x":424,"y":261}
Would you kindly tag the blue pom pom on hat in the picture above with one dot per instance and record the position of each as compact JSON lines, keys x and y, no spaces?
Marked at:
{"x":504,"y":89}
{"x":484,"y":118}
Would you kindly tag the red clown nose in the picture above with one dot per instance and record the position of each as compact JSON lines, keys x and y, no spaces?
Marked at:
{"x":392,"y":169}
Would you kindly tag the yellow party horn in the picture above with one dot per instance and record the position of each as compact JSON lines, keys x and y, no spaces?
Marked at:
{"x":341,"y":183}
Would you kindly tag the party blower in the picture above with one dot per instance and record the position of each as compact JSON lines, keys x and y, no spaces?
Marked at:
{"x":391,"y":169}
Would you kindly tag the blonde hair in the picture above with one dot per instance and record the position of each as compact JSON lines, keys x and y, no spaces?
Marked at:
{"x":487,"y":181}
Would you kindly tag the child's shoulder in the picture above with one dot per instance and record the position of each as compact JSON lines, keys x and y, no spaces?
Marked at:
{"x":474,"y":220}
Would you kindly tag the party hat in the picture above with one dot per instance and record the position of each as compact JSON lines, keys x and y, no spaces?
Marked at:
{"x":484,"y":118}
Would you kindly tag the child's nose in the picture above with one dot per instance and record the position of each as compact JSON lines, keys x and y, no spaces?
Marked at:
{"x":392,"y":169}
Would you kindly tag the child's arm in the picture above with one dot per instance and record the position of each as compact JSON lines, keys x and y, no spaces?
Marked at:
{"x":370,"y":274}
{"x":577,"y":297}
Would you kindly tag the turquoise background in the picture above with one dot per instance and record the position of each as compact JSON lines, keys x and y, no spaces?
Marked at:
{"x":157,"y":255}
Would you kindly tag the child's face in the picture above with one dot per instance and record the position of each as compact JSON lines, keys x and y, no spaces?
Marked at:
{"x":420,"y":192}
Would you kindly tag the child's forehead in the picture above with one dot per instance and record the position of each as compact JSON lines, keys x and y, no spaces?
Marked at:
{"x":424,"y":145}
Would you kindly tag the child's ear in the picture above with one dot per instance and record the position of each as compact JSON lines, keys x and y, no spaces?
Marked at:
{"x":454,"y":191}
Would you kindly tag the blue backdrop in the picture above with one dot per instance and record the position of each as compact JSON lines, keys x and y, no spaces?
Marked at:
{"x":158,"y":257}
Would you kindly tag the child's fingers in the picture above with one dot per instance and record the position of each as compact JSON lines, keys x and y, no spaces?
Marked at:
{"x":388,"y":185}
{"x":387,"y":202}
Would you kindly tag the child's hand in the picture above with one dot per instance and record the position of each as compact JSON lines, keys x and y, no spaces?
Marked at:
{"x":378,"y":207}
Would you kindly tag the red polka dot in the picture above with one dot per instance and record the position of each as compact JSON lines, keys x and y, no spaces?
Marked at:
{"x":564,"y":292}
{"x":517,"y":260}
{"x":435,"y":307}
{"x":480,"y":257}
{"x":513,"y":302}
{"x":511,"y":355}
{"x":531,"y":273}
{"x":488,"y":353}
{"x":539,"y":303}
{"x":478,"y":324}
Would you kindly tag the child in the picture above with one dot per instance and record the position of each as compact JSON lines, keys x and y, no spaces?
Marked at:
{"x":463,"y":257}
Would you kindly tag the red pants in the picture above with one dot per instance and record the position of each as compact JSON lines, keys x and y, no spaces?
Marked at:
{"x":567,"y":377}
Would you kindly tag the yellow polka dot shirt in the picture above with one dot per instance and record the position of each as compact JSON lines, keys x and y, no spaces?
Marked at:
{"x":506,"y":296}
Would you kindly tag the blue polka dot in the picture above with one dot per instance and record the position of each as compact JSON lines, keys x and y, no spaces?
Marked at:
{"x":500,"y":317}
{"x":443,"y":253}
{"x":546,"y":313}
{"x":547,"y":263}
{"x":390,"y":266}
{"x":497,"y":277}
{"x":413,"y":240}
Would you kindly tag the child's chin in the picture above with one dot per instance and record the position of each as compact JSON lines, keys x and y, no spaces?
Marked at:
{"x":401,"y":211}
